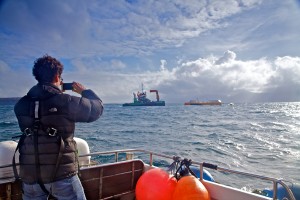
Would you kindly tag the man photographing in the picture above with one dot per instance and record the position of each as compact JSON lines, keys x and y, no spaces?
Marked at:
{"x":47,"y":117}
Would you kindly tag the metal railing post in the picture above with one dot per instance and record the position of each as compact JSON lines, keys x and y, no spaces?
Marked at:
{"x":201,"y":172}
{"x":151,"y":159}
{"x":116,"y":156}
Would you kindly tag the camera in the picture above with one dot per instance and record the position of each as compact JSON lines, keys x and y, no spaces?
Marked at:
{"x":67,"y":86}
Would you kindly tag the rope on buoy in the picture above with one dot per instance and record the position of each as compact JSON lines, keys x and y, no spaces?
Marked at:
{"x":183,"y":169}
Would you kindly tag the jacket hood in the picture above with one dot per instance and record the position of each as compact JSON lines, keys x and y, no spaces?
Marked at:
{"x":43,"y":91}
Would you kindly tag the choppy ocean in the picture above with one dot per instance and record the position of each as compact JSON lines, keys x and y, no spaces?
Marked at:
{"x":260,"y":138}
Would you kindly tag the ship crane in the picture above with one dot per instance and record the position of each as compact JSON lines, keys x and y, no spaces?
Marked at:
{"x":157,"y":96}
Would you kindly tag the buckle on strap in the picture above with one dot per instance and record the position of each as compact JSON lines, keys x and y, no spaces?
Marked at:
{"x":27,"y":131}
{"x":51,"y":131}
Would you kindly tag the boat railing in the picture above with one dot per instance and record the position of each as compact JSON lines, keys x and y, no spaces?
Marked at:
{"x":129,"y":154}
{"x":201,"y":165}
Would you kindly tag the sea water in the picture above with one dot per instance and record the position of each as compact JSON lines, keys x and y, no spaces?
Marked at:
{"x":258,"y":138}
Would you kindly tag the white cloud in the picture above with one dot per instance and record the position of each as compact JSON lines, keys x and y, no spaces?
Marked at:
{"x":163,"y":64}
{"x":288,"y":69}
{"x":227,"y":57}
{"x":231,"y":80}
{"x":205,"y":78}
{"x":118,"y":28}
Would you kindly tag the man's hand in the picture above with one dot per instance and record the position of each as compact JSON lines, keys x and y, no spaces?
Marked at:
{"x":78,"y":88}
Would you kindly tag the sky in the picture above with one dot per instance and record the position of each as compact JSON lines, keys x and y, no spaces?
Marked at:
{"x":232,"y":50}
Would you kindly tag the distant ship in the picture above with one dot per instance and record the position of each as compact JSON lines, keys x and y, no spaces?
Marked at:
{"x":211,"y":102}
{"x":140,"y":99}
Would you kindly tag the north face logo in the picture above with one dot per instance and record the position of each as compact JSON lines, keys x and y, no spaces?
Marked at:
{"x":53,"y":110}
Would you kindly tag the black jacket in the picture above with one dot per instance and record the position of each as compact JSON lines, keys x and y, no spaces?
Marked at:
{"x":57,"y":111}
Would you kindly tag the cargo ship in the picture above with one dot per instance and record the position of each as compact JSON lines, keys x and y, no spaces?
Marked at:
{"x":140,"y":99}
{"x":201,"y":103}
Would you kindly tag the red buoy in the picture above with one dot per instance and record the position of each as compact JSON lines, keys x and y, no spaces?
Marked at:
{"x":190,"y":188}
{"x":155,"y":184}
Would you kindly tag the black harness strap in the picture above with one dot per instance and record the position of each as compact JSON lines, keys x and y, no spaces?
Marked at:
{"x":78,"y":164}
{"x":36,"y":126}
{"x":60,"y":153}
{"x":22,"y":138}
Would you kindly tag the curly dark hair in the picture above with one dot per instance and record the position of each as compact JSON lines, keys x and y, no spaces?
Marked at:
{"x":46,"y":68}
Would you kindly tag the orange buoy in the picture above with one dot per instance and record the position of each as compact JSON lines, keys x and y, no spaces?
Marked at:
{"x":190,"y":188}
{"x":155,"y":184}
